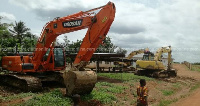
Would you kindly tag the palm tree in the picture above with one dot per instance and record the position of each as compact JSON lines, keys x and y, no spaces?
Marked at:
{"x":20,"y":30}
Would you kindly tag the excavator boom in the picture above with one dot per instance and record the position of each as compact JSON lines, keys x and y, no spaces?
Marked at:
{"x":98,"y":26}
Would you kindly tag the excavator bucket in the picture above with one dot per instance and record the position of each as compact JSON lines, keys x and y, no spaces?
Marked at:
{"x":79,"y":82}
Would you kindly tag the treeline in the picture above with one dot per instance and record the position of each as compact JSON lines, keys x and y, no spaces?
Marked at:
{"x":198,"y":63}
{"x":106,"y":47}
{"x":18,"y":35}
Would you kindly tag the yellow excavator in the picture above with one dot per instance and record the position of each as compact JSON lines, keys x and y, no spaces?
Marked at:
{"x":155,"y":67}
{"x":127,"y":60}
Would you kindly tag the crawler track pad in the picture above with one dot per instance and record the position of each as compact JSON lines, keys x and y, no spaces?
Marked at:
{"x":79,"y":82}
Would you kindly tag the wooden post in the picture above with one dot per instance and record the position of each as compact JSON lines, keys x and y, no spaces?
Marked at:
{"x":97,"y":66}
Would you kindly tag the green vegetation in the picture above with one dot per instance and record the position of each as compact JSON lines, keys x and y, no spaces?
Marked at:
{"x":110,"y":87}
{"x":124,"y":76}
{"x":18,"y":35}
{"x":133,"y":102}
{"x":196,"y":68}
{"x":196,"y":86}
{"x":100,"y":84}
{"x":167,"y":102}
{"x":54,"y":98}
{"x":106,"y":47}
{"x":176,"y":85}
{"x":19,"y":96}
{"x":105,"y":92}
{"x":167,"y":92}
{"x":102,"y":96}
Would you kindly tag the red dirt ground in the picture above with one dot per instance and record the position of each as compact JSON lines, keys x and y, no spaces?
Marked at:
{"x":193,"y":99}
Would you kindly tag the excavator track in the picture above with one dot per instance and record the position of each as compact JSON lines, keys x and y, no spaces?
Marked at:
{"x":24,"y":82}
{"x":165,"y":73}
{"x":157,"y":73}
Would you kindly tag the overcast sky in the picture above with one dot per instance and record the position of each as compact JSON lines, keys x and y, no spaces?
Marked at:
{"x":138,"y":23}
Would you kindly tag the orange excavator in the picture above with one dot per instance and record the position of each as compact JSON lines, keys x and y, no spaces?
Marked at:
{"x":47,"y":61}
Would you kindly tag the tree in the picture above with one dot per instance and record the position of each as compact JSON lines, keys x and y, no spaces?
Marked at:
{"x":120,"y":50}
{"x":4,"y":33}
{"x":5,"y":37}
{"x":66,"y":44}
{"x":107,"y":46}
{"x":75,"y":46}
{"x":29,"y":41}
{"x":20,"y":30}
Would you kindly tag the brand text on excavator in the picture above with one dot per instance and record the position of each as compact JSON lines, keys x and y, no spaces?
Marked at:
{"x":73,"y":23}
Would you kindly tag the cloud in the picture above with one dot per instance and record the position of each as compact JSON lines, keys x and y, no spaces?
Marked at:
{"x":7,"y":17}
{"x":125,"y":29}
{"x":137,"y":23}
{"x":60,"y":8}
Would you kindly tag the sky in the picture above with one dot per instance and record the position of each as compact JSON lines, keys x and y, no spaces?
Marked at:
{"x":138,"y":23}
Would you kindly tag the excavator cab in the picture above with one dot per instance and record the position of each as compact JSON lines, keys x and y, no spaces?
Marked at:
{"x":59,"y":57}
{"x":54,"y":58}
{"x":148,"y":56}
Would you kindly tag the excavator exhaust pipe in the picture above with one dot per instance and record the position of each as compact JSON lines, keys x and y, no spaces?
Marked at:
{"x":79,"y":82}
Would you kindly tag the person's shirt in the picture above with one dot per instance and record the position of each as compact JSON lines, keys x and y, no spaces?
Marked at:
{"x":142,"y":92}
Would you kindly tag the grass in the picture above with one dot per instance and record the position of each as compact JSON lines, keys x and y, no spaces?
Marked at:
{"x":167,"y":102}
{"x":54,"y":98}
{"x":167,"y":92}
{"x":196,"y":68}
{"x":99,"y":84}
{"x":196,"y":86}
{"x":124,"y":76}
{"x":109,"y":87}
{"x":102,"y":96}
{"x":133,"y":102}
{"x":176,"y":85}
{"x":13,"y":97}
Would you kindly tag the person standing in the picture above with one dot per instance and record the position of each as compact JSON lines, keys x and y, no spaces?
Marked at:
{"x":142,"y":93}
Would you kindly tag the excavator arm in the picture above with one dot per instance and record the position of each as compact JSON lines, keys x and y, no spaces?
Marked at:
{"x":133,"y":53}
{"x":98,"y":26}
{"x":162,"y":50}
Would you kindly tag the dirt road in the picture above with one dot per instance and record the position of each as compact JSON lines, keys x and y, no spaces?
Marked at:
{"x":193,"y":99}
{"x":183,"y":71}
